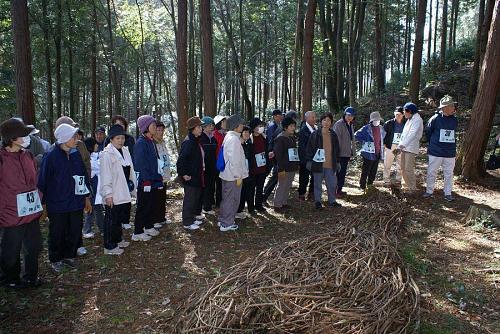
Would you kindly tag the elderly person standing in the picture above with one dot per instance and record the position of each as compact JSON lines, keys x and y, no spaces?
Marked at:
{"x":209,"y":144}
{"x":410,"y":144}
{"x":304,"y":174}
{"x":345,"y":133}
{"x":393,"y":129}
{"x":442,"y":149}
{"x":235,"y":170}
{"x":164,"y":170}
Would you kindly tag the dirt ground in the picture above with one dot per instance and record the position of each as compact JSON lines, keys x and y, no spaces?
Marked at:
{"x":456,"y":266}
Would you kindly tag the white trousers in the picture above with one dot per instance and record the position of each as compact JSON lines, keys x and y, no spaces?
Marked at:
{"x":448,"y":164}
{"x":388,"y":163}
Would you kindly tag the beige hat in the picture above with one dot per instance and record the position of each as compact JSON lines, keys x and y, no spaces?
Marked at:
{"x":446,"y":101}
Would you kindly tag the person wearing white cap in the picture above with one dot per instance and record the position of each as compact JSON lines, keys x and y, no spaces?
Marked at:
{"x":393,"y":129}
{"x":442,"y":149}
{"x":371,"y":137}
{"x":65,"y":186}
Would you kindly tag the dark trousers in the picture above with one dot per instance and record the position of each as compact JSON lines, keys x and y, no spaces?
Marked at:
{"x":144,"y":214}
{"x":368,"y":171}
{"x":65,"y":231}
{"x":260,"y":179}
{"x":14,"y":238}
{"x":342,"y":173}
{"x":305,"y":178}
{"x":113,"y":220}
{"x":218,"y":190}
{"x":191,"y":204}
{"x":271,"y":184}
{"x":247,"y":194}
{"x":209,"y":191}
{"x":160,"y":205}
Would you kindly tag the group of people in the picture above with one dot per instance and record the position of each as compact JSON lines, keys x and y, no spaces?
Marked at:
{"x":223,"y":162}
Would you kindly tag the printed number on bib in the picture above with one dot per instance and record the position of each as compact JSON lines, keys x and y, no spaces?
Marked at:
{"x":80,"y":187}
{"x":447,"y":136}
{"x":293,"y":154}
{"x":28,"y":203}
{"x":260,"y":159}
{"x":369,"y":147}
{"x":320,"y":155}
{"x":397,"y":138}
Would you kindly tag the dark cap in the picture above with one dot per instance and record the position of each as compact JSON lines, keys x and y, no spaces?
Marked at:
{"x":277,"y":112}
{"x":14,"y":128}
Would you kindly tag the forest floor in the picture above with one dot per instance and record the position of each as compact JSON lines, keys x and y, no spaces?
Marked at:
{"x":455,"y":266}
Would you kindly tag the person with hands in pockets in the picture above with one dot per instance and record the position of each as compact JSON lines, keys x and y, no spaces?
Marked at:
{"x":371,"y":137}
{"x":20,"y":207}
{"x":393,"y":129}
{"x":232,"y":175}
{"x":190,"y":168}
{"x":65,"y":186}
{"x":146,"y":164}
{"x":287,"y":162}
{"x":442,"y":149}
{"x":117,"y":183}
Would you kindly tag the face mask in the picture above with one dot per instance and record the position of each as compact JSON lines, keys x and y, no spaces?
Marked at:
{"x":26,"y":142}
{"x":376,"y":123}
{"x":260,"y":130}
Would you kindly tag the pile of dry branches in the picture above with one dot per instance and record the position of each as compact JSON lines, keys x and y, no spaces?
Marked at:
{"x":350,"y":280}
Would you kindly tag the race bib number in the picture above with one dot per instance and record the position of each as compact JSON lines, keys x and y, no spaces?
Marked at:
{"x":260,"y":159}
{"x":397,"y":138}
{"x":28,"y":203}
{"x":293,"y":154}
{"x":80,"y":187}
{"x":369,"y":147}
{"x":320,"y":155}
{"x":447,"y":136}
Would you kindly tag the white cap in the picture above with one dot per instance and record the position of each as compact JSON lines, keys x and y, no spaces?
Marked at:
{"x":35,"y":130}
{"x":218,"y":119}
{"x":64,"y":133}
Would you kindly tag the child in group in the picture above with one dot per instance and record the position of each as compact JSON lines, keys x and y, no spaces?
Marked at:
{"x":92,"y":147}
{"x":65,"y":187}
{"x":248,"y":188}
{"x":117,"y":182}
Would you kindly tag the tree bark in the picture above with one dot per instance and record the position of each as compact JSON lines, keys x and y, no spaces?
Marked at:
{"x":326,"y":32}
{"x":181,"y":86}
{"x":208,"y":59}
{"x":417,"y":52}
{"x":50,"y":99}
{"x":93,"y":74}
{"x":444,"y":30}
{"x":436,"y":27}
{"x":379,"y":61}
{"x":355,"y":43}
{"x":429,"y":36}
{"x":299,"y":32}
{"x":340,"y":51}
{"x":69,"y":47}
{"x":192,"y":74}
{"x":307,"y":60}
{"x":22,"y":61}
{"x":470,"y":161}
{"x":57,"y":43}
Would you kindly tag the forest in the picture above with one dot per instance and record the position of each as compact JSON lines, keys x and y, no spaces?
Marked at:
{"x":174,"y":59}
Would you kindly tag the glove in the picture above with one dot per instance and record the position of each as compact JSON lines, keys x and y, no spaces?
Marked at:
{"x":147,"y":189}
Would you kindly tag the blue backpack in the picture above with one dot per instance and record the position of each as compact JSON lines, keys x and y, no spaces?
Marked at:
{"x":221,"y":163}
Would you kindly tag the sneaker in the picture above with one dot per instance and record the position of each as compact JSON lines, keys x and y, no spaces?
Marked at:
{"x":200,"y":217}
{"x":89,"y":235}
{"x":210,"y":212}
{"x":157,"y":225}
{"x":57,"y":266}
{"x":126,"y":226}
{"x":198,"y":222}
{"x":123,"y":244}
{"x":449,"y":198}
{"x":81,"y":251}
{"x":115,"y":251}
{"x":151,"y":232}
{"x":140,"y":237}
{"x":241,"y":215}
{"x":233,"y":227}
{"x":69,"y":262}
{"x":334,"y":205}
{"x":192,"y":227}
{"x":427,"y":195}
{"x":318,"y":205}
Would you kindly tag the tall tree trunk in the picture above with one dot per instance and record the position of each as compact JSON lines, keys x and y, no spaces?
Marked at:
{"x":69,"y":47}
{"x":93,"y":74}
{"x":22,"y":61}
{"x":339,"y":47}
{"x":299,"y":32}
{"x":307,"y":60}
{"x":436,"y":26}
{"x":379,"y":62}
{"x":50,"y":100}
{"x":208,"y":59}
{"x":429,"y":36}
{"x":470,"y":161}
{"x":191,"y":61}
{"x":408,"y":47}
{"x":444,"y":30}
{"x":181,"y":47}
{"x":57,"y":43}
{"x":477,"y":58}
{"x":357,"y":33}
{"x":326,"y":32}
{"x":417,"y":52}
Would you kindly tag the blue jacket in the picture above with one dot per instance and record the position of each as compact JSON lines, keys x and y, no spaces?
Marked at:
{"x":146,"y":163}
{"x":365,"y":136}
{"x":440,"y":133}
{"x":57,"y":183}
{"x":304,"y":135}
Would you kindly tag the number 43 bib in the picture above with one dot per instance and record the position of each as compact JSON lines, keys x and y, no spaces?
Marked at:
{"x":28,"y":203}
